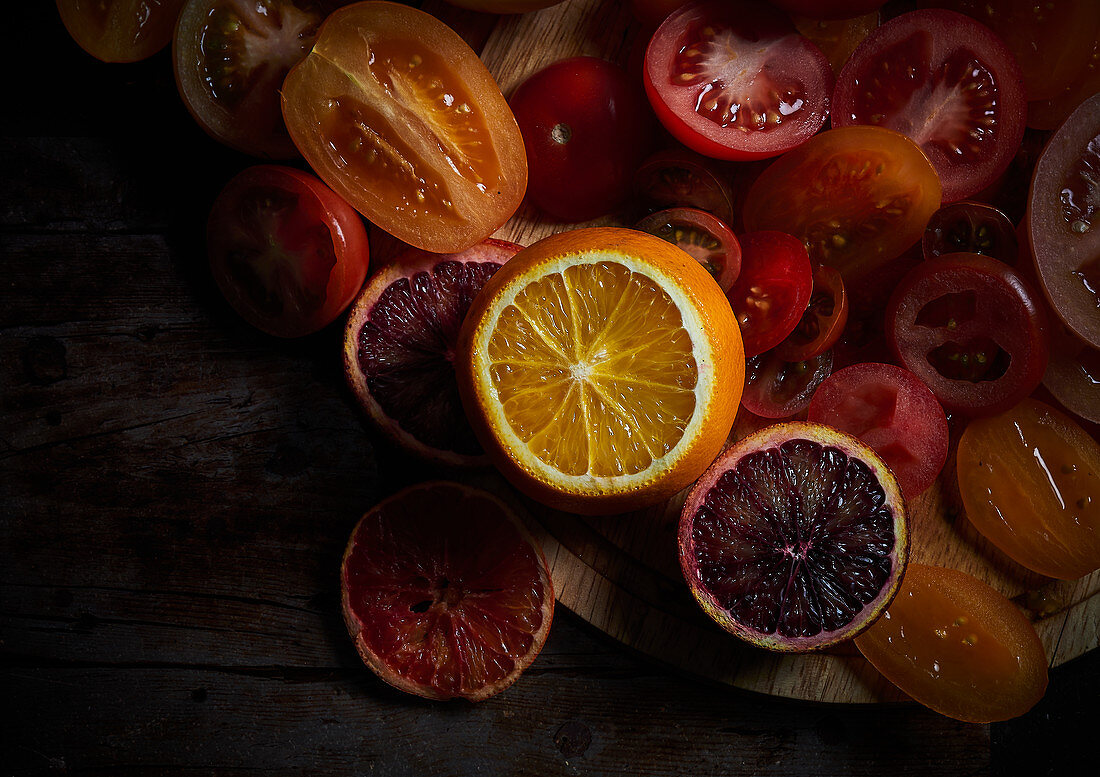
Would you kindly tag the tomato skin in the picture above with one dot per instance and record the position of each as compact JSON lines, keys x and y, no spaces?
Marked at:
{"x":703,"y":236}
{"x":1064,"y":230}
{"x":400,"y":117}
{"x":772,"y":289}
{"x":287,"y":253}
{"x":1030,"y":482}
{"x":971,"y":329}
{"x":777,"y":98}
{"x":585,"y":126}
{"x":945,"y":81}
{"x":891,"y":410}
{"x":230,"y":61}
{"x":856,"y":196}
{"x":957,"y":646}
{"x":120,"y":30}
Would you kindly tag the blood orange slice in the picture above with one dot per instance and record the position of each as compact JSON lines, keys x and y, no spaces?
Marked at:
{"x":399,"y":348}
{"x":445,"y":593}
{"x":796,"y":538}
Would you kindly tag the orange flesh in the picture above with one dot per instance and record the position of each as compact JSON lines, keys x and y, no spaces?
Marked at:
{"x":1030,"y":482}
{"x":957,"y":646}
{"x":586,"y":397}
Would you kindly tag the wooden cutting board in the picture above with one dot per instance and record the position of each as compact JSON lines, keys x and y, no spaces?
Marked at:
{"x":621,"y":573}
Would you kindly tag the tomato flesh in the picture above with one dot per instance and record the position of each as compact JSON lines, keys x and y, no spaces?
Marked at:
{"x":287,"y":253}
{"x":734,"y":80}
{"x":946,"y":82}
{"x":957,"y":646}
{"x":1030,"y":482}
{"x":856,"y":196}
{"x":398,"y":115}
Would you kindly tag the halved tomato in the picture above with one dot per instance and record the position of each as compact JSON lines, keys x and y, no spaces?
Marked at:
{"x":288,"y":254}
{"x":856,"y":196}
{"x":1073,"y":374}
{"x":949,"y":84}
{"x":777,"y":388}
{"x":398,"y":115}
{"x":971,"y":227}
{"x":734,"y":80}
{"x":702,"y":235}
{"x":231,"y":57}
{"x":772,"y":289}
{"x":678,"y":178}
{"x":823,"y":321}
{"x":120,"y":30}
{"x":1064,"y":225}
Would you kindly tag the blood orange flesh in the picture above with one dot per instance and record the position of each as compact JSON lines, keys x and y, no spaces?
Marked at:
{"x":399,"y":348}
{"x":796,"y":538}
{"x":445,"y":593}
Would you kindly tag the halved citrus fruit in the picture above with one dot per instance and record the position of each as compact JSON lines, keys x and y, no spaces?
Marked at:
{"x":445,"y":592}
{"x":601,"y":369}
{"x":796,"y":538}
{"x":399,"y":348}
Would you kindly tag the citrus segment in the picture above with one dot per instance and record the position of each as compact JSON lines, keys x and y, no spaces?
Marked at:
{"x":602,"y":370}
{"x":399,"y":348}
{"x":445,"y":592}
{"x":796,"y":538}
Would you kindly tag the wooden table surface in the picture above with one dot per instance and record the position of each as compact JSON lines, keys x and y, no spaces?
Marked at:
{"x":176,"y":490}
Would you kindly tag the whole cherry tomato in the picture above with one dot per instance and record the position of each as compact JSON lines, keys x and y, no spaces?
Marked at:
{"x":585,"y":126}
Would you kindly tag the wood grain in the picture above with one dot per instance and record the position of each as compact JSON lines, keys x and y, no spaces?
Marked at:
{"x":622,"y":574}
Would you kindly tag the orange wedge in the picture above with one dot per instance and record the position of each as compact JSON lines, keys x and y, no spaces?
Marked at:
{"x":601,"y":369}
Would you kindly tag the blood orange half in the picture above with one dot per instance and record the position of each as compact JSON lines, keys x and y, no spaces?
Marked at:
{"x":445,"y":593}
{"x":399,"y":348}
{"x":796,"y":538}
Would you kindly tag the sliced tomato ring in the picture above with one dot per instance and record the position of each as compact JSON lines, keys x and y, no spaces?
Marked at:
{"x":772,"y":290}
{"x":823,"y":322}
{"x":856,"y":196}
{"x":702,"y":235}
{"x":949,"y":84}
{"x":1064,"y":225}
{"x":777,"y":388}
{"x":971,"y":227}
{"x":971,"y":329}
{"x":734,"y":79}
{"x":677,"y":178}
{"x":398,"y":115}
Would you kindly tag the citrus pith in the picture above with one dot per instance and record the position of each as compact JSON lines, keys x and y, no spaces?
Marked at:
{"x":601,"y":369}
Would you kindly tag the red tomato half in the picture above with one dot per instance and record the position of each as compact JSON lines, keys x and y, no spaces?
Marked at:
{"x":703,"y":236}
{"x":891,"y":410}
{"x":399,"y":116}
{"x":971,"y":329}
{"x":856,"y":196}
{"x":678,"y":178}
{"x":735,"y":80}
{"x":230,"y":60}
{"x":288,"y":254}
{"x":949,"y":84}
{"x":120,"y":30}
{"x":823,"y":322}
{"x":777,"y":388}
{"x":772,"y":289}
{"x":585,"y":126}
{"x":1064,"y":225}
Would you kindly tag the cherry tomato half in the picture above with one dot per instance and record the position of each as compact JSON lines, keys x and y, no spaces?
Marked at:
{"x":734,"y":80}
{"x":230,"y":60}
{"x":956,"y":645}
{"x":856,"y":196}
{"x":585,"y":126}
{"x":949,"y":84}
{"x":772,"y":289}
{"x":971,"y":227}
{"x":971,"y":329}
{"x":777,"y":388}
{"x":823,"y":321}
{"x":1030,"y":483}
{"x":288,"y":254}
{"x":891,"y":410}
{"x":1073,"y":374}
{"x":701,"y":235}
{"x":677,"y":178}
{"x":1064,"y":228}
{"x":399,"y":116}
{"x":120,"y":30}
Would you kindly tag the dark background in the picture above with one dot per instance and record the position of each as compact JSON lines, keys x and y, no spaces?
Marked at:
{"x":176,"y":490}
